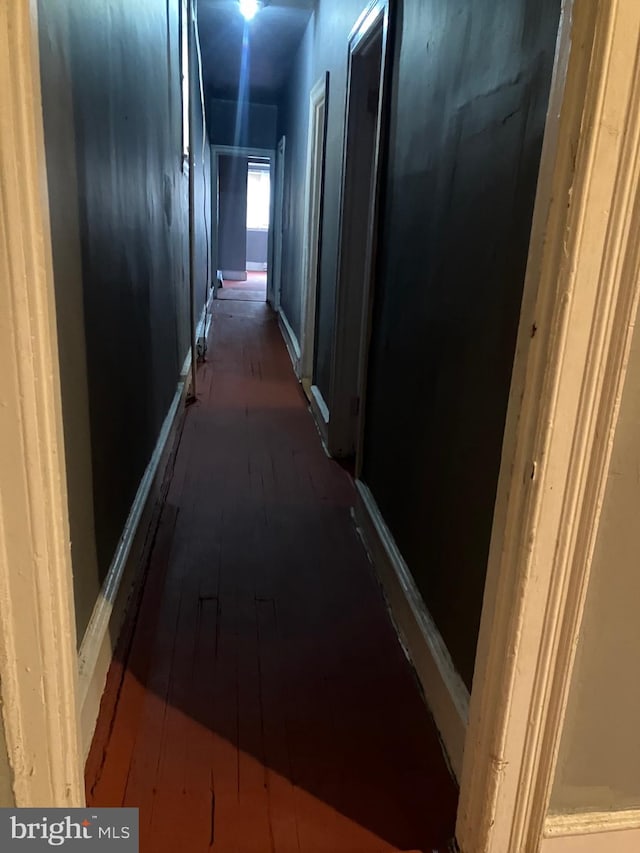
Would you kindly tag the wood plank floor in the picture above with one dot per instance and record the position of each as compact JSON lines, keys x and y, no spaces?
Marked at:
{"x":263,"y":702}
{"x":254,"y":289}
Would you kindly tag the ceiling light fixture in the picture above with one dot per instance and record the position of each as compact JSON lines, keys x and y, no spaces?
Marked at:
{"x":249,"y":9}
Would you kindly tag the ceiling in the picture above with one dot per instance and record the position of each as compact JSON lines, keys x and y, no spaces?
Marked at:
{"x":274,"y":34}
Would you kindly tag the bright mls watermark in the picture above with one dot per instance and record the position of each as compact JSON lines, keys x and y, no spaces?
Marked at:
{"x":105,"y":830}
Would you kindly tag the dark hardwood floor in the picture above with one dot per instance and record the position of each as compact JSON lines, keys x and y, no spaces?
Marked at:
{"x":263,"y":704}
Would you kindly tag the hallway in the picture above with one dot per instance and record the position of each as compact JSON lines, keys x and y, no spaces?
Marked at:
{"x":264,"y":702}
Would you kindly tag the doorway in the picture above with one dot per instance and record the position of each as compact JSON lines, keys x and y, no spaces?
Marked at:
{"x":243,"y":213}
{"x":278,"y":223}
{"x":313,"y":235}
{"x":367,"y":78}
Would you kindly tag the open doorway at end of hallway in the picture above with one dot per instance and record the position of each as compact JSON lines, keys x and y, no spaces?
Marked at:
{"x":244,"y":202}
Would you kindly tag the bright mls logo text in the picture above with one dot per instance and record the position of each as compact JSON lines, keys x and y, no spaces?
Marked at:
{"x":84,"y":829}
{"x":57,"y":832}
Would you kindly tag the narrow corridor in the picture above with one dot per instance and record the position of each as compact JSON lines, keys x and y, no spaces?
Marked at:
{"x":264,"y":702}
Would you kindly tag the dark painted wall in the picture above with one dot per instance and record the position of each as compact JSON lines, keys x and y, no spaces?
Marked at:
{"x":469,"y":103}
{"x":253,"y":126}
{"x":257,"y":246}
{"x":57,"y":96}
{"x":232,"y":223}
{"x":202,"y":201}
{"x":112,"y":108}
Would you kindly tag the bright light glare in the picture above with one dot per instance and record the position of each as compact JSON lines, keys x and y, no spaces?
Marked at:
{"x":249,"y":9}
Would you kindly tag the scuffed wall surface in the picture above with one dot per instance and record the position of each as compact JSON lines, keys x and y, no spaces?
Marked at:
{"x":599,"y":761}
{"x":471,"y":83}
{"x":112,"y":108}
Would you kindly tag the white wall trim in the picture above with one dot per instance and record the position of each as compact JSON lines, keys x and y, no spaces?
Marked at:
{"x":291,"y":340}
{"x":203,"y":330}
{"x":314,"y":181}
{"x":321,"y":414}
{"x":588,"y":822}
{"x":278,"y":220}
{"x":600,"y":832}
{"x":98,"y":644}
{"x":38,"y":690}
{"x":579,"y":308}
{"x":444,"y":690}
{"x":323,"y":409}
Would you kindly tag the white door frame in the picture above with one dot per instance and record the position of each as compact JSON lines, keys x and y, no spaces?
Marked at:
{"x":218,"y":151}
{"x":38,"y":659}
{"x":354,"y":295}
{"x":579,"y":307}
{"x":278,"y":221}
{"x":314,"y":186}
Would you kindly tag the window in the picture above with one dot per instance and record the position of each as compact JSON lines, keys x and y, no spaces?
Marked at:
{"x":258,"y":197}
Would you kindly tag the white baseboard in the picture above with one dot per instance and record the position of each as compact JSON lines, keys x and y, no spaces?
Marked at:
{"x":445,"y":692}
{"x":101,"y":636}
{"x":595,"y":832}
{"x":291,"y":340}
{"x":202,"y":332}
{"x":318,"y":399}
{"x":320,"y":412}
{"x":256,"y":266}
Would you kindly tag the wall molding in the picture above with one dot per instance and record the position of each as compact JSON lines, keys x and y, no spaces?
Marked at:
{"x":291,"y":341}
{"x":100,"y":638}
{"x":38,"y":690}
{"x":444,"y":690}
{"x":314,"y":189}
{"x":594,"y":832}
{"x":578,"y":312}
{"x":321,"y":415}
{"x":587,"y":822}
{"x":323,"y":409}
{"x":625,"y":841}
